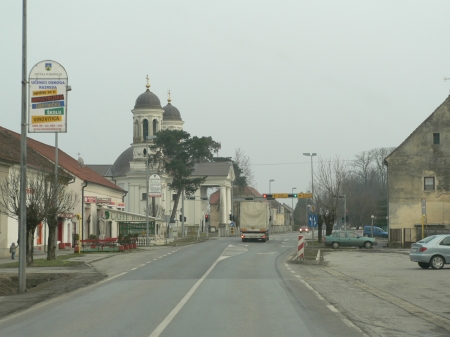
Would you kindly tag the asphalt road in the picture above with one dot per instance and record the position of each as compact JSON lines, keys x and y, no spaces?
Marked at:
{"x":228,"y":288}
{"x":217,"y":288}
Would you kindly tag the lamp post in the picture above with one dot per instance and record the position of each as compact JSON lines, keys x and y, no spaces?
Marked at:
{"x":372,"y":223}
{"x":293,"y":188}
{"x":270,"y":185}
{"x":312,"y":170}
{"x":146,"y":153}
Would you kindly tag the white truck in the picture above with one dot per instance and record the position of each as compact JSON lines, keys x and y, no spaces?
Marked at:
{"x":254,"y":220}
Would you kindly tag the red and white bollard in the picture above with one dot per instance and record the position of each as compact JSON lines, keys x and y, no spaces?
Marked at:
{"x":301,"y":247}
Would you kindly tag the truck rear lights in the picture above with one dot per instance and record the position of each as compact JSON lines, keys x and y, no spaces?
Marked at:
{"x":422,"y":249}
{"x":242,"y":236}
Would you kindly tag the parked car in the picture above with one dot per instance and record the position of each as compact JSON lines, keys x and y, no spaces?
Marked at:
{"x":304,"y":229}
{"x":432,"y":251}
{"x":377,"y":231}
{"x":348,"y":239}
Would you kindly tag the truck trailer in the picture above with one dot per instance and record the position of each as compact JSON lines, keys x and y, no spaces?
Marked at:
{"x":254,"y":220}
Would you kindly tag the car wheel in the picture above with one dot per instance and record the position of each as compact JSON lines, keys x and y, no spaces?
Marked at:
{"x":424,"y":265}
{"x":335,"y":245}
{"x":437,"y":262}
{"x":367,"y":244}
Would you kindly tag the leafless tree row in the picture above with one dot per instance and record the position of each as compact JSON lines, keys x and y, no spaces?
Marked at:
{"x":356,"y":188}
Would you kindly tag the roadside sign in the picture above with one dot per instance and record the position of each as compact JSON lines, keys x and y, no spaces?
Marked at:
{"x":154,"y":185}
{"x":231,"y":223}
{"x":47,"y":111}
{"x":312,"y":220}
{"x":424,"y":206}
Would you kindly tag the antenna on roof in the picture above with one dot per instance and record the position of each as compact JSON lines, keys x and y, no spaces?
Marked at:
{"x":445,"y":80}
{"x":80,"y":161}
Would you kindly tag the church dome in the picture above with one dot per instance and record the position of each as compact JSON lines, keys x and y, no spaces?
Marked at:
{"x":170,"y":112}
{"x":147,"y":100}
{"x":122,"y":164}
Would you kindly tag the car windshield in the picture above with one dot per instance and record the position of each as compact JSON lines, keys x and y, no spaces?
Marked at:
{"x":427,"y":239}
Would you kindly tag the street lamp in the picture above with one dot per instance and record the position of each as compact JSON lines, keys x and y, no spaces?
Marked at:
{"x":312,"y":170}
{"x":293,"y":188}
{"x":270,"y":187}
{"x":372,"y":223}
{"x":147,"y":243}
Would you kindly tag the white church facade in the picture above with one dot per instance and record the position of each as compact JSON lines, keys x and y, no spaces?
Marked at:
{"x":129,"y":171}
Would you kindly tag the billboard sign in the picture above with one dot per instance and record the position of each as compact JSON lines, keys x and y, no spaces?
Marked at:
{"x":47,"y":86}
{"x":154,"y":185}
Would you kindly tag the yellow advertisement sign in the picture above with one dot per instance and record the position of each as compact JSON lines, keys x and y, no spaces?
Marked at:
{"x":44,"y":92}
{"x":45,"y":119}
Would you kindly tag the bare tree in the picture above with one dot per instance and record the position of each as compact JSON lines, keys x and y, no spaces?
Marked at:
{"x":58,"y":200}
{"x":44,"y":201}
{"x":245,"y":165}
{"x":330,"y":178}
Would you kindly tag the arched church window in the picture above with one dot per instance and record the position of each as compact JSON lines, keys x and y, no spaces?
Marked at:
{"x":136,"y":129}
{"x":145,"y":129}
{"x":155,"y":126}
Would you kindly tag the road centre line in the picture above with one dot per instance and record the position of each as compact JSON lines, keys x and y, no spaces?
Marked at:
{"x":162,"y":326}
{"x":133,"y":268}
{"x":409,"y":307}
{"x":142,"y":265}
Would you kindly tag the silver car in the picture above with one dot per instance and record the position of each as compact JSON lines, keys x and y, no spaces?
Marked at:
{"x":431,"y":251}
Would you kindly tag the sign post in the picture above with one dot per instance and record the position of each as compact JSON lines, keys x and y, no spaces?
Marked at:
{"x":48,"y":98}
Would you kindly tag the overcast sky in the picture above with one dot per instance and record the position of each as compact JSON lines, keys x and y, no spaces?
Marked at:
{"x":274,"y":78}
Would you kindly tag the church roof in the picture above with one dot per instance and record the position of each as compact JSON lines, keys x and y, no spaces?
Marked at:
{"x":171,"y":112}
{"x":147,"y":100}
{"x":122,"y":164}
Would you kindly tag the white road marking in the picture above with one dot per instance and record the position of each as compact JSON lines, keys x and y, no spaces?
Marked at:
{"x":133,"y":268}
{"x":332,"y":308}
{"x":142,"y":265}
{"x":162,"y":326}
{"x":313,"y":290}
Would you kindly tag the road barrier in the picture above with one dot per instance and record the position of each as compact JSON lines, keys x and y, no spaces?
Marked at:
{"x":301,"y":248}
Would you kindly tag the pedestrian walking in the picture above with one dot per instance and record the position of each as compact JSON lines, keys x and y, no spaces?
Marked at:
{"x":12,"y":250}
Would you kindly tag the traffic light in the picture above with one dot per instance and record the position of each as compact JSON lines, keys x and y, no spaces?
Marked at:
{"x":181,"y":218}
{"x":206,"y":217}
{"x":230,"y":217}
{"x":347,"y":218}
{"x":234,"y":218}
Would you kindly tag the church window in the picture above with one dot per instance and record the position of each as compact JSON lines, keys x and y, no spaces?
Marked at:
{"x":436,"y":138}
{"x":145,"y":129}
{"x":155,"y":124}
{"x":144,"y":196}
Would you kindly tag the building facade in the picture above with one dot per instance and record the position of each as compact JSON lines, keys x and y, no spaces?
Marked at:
{"x":419,"y":179}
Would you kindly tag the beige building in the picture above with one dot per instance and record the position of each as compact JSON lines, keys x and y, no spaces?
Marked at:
{"x":419,"y":180}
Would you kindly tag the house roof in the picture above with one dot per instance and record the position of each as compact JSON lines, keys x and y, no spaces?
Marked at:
{"x":10,"y":149}
{"x":446,"y":102}
{"x":212,"y":169}
{"x":64,"y":160}
{"x":248,"y":191}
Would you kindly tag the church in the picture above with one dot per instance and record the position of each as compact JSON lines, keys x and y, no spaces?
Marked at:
{"x":130,"y":170}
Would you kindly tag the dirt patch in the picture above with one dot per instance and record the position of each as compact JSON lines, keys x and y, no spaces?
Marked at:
{"x":40,"y":287}
{"x":10,"y":284}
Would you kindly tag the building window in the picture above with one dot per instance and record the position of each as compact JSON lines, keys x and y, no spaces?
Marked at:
{"x":428,"y":184}
{"x":144,"y":196}
{"x":436,"y":138}
{"x":145,"y":129}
